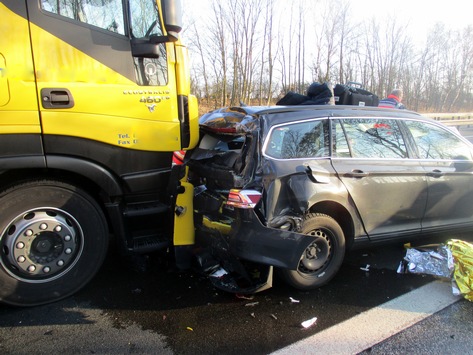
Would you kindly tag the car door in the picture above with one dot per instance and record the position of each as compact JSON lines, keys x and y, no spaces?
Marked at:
{"x":388,"y":189}
{"x":448,"y":162}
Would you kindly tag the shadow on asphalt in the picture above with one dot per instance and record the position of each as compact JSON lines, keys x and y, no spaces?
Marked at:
{"x":197,"y":318}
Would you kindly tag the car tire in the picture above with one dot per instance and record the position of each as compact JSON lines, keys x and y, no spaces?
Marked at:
{"x":54,"y":238}
{"x":322,"y":259}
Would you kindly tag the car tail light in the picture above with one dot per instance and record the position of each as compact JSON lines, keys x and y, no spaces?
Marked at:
{"x":243,"y":198}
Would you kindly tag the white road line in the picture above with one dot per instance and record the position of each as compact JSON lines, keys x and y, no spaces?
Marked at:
{"x":371,"y":327}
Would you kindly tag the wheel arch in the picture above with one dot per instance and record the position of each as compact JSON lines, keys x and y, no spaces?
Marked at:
{"x":102,"y":185}
{"x":88,"y":175}
{"x":341,"y":215}
{"x":91,"y":172}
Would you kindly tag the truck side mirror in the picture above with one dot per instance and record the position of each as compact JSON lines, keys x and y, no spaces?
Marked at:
{"x":172,"y":16}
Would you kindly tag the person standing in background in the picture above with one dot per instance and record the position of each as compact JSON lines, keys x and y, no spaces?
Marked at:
{"x":394,"y":100}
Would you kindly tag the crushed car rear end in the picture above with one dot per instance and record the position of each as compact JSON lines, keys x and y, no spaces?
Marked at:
{"x":251,"y":208}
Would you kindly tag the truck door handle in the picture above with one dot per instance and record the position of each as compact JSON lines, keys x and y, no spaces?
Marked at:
{"x":356,"y":173}
{"x":56,"y":98}
{"x":435,"y":173}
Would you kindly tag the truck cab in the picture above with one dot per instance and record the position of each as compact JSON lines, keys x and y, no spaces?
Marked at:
{"x":94,"y":99}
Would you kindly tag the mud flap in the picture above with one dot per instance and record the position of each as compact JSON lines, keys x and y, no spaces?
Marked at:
{"x":182,"y":194}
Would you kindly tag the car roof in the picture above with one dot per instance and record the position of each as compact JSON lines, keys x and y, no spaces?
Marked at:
{"x":243,"y":118}
{"x":330,"y":110}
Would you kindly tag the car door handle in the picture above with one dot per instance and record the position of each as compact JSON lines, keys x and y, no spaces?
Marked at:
{"x":56,"y":98}
{"x":435,"y":173}
{"x":356,"y":173}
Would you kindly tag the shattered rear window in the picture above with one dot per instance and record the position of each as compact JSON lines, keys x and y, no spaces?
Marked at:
{"x":298,"y":140}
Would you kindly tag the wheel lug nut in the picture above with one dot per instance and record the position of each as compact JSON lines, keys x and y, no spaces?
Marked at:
{"x":29,"y":233}
{"x":68,"y":251}
{"x":43,"y":226}
{"x":60,"y":263}
{"x":46,"y":269}
{"x":20,"y":245}
{"x":67,"y":238}
{"x":21,"y":259}
{"x":31,"y":268}
{"x":58,"y":228}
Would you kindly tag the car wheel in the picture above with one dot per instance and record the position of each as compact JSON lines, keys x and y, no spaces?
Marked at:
{"x":53,"y":240}
{"x":322,"y":259}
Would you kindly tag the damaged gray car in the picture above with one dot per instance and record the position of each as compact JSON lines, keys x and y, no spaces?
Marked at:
{"x":294,"y":187}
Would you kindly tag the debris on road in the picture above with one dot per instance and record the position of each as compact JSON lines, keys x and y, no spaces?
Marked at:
{"x":219,"y":273}
{"x":274,"y":317}
{"x":433,"y":260}
{"x":309,"y":323}
{"x":244,"y":297}
{"x":453,"y":260}
{"x":462,"y":253}
{"x":251,"y":304}
{"x":294,"y":300}
{"x":366,"y":268}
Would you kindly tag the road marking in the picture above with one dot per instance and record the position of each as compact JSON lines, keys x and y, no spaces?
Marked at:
{"x":371,"y":327}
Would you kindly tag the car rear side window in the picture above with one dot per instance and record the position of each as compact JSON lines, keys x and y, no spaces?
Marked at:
{"x":299,"y":140}
{"x":369,"y":138}
{"x":435,"y":142}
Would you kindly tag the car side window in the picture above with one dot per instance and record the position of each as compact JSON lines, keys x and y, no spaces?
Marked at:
{"x":434,"y":142}
{"x":369,"y":138}
{"x":299,"y":140}
{"x":340,"y":148}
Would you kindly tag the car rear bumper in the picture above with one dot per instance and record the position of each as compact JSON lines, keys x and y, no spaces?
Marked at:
{"x":247,"y":238}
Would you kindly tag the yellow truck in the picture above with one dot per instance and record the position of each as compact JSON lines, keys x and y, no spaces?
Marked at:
{"x":94,"y":98}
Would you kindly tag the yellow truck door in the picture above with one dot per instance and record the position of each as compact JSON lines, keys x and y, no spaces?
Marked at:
{"x":20,"y":128}
{"x":89,"y":85}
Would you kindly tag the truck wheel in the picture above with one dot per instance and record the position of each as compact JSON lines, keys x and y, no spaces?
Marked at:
{"x":322,"y":259}
{"x":53,"y":239}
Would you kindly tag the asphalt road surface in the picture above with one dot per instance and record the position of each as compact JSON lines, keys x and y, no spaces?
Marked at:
{"x":125,"y":311}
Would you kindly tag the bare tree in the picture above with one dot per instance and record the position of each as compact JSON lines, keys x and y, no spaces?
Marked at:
{"x":246,"y":50}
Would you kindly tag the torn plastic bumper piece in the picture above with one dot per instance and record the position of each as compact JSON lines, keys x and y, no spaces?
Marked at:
{"x":251,"y":240}
{"x":247,"y":251}
{"x":225,"y":281}
{"x":233,"y":275}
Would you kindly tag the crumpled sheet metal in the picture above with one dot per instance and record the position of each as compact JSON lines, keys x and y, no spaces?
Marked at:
{"x":462,"y":253}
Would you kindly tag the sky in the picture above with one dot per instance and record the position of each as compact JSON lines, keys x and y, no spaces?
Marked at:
{"x":419,"y":15}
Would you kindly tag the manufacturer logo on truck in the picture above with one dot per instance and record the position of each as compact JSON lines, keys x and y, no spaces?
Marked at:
{"x":150,"y":97}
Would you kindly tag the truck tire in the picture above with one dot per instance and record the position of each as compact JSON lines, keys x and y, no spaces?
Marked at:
{"x":322,"y":259}
{"x":53,"y":240}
